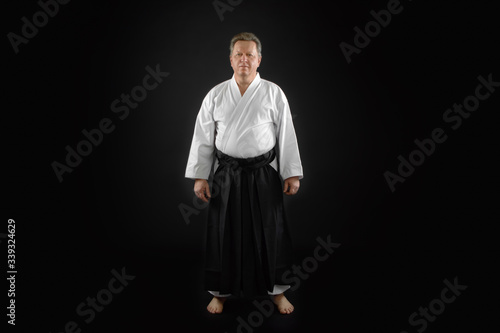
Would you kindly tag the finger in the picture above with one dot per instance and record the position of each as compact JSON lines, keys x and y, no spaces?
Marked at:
{"x":206,"y":193}
{"x":200,"y":195}
{"x":285,"y":187}
{"x":203,"y":197}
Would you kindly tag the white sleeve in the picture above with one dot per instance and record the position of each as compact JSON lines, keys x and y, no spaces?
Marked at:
{"x":289,"y":157}
{"x":202,"y":146}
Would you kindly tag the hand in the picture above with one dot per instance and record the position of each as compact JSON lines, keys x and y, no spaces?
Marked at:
{"x":292,"y":185}
{"x":201,"y":189}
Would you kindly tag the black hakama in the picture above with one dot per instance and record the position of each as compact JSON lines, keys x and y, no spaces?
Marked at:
{"x":248,"y":245}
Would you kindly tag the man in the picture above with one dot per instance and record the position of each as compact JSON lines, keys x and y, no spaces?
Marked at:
{"x":244,"y":130}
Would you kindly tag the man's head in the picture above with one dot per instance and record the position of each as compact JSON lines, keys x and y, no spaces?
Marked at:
{"x":245,"y":54}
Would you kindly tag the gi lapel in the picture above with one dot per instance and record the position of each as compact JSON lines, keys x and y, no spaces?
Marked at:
{"x":241,"y":106}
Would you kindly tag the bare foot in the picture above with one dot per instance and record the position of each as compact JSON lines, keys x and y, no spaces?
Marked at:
{"x":284,"y":306}
{"x":216,"y":305}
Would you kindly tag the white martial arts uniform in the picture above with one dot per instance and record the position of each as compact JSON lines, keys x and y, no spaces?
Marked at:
{"x":242,"y":127}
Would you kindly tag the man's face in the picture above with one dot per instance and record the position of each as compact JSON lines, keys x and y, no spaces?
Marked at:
{"x":245,"y":58}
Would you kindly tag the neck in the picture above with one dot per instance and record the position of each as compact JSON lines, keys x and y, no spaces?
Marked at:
{"x":245,"y":81}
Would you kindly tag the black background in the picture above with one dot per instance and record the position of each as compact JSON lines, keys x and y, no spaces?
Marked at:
{"x":120,"y":206}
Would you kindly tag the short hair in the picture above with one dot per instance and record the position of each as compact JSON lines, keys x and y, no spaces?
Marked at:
{"x":246,"y":36}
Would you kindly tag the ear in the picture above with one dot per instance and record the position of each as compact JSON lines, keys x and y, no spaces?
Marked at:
{"x":260,"y":59}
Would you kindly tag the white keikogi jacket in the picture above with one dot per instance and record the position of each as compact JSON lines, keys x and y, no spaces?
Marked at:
{"x":244,"y":126}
